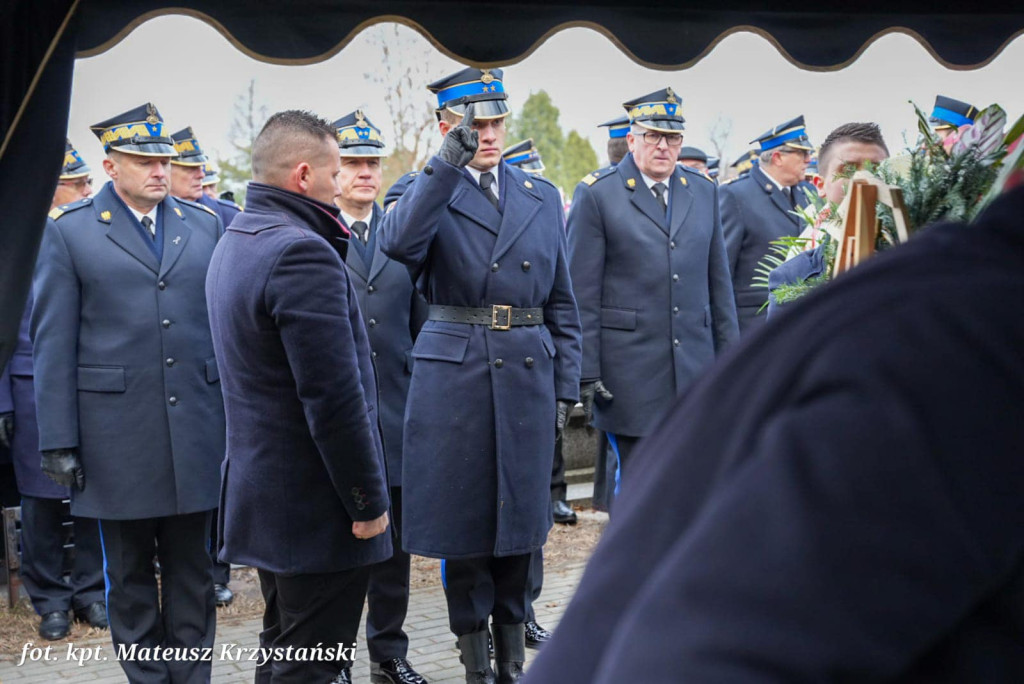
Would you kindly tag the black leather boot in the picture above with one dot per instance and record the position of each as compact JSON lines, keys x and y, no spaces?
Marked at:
{"x":475,"y":658}
{"x":509,"y":652}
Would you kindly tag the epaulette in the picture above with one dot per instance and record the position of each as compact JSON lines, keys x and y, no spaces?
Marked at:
{"x":597,"y":175}
{"x":731,"y":180}
{"x":229,"y":203}
{"x":57,"y":212}
{"x":195,"y":205}
{"x":537,"y":176}
{"x":695,"y":172}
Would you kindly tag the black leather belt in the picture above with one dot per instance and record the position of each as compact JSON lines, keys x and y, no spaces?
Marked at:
{"x":497,"y":317}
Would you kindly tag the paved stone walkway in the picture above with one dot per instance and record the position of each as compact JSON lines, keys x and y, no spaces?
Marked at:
{"x":431,"y":644}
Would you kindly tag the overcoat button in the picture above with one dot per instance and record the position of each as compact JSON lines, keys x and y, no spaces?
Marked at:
{"x":428,"y":169}
{"x":672,"y":245}
{"x":371,"y":288}
{"x":372,"y":322}
{"x":675,"y":277}
{"x":170,"y":362}
{"x":162,"y":285}
{"x":495,"y":266}
{"x":173,"y":401}
{"x":498,"y":363}
{"x":675,"y":309}
{"x":675,"y":342}
{"x":526,"y":265}
{"x":529,"y":362}
{"x":166,"y":323}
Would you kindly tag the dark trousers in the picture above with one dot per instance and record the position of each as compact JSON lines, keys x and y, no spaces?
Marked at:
{"x":305,"y":610}
{"x":42,"y":557}
{"x":534,"y":582}
{"x":490,"y":586}
{"x":180,"y":613}
{"x":558,"y":486}
{"x":387,"y":596}
{"x":221,"y":570}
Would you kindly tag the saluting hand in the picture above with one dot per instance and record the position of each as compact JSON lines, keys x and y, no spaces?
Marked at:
{"x":370,"y":528}
{"x":459,"y":146}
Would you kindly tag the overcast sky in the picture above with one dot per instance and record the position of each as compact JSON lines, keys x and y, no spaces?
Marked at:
{"x":194,"y":76}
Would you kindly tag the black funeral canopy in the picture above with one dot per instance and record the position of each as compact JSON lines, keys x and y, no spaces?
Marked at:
{"x":40,"y":39}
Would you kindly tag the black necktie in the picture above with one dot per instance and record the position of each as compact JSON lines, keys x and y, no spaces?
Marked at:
{"x":360,"y":229}
{"x":659,"y":192}
{"x":487,"y":183}
{"x":790,"y":196}
{"x":147,"y":223}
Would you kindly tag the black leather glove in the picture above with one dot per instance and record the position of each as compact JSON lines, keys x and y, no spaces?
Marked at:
{"x":562,"y":409}
{"x":63,"y":467}
{"x":459,"y":146}
{"x":588,"y":390}
{"x":6,"y":428}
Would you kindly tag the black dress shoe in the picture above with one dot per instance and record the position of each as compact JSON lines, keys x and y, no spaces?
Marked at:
{"x":95,"y":614}
{"x":344,"y":677}
{"x":395,"y":671}
{"x":564,"y":515}
{"x":55,"y":625}
{"x":223,"y":595}
{"x":536,"y":635}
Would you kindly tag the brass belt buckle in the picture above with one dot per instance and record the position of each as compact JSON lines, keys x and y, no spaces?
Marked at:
{"x":501,"y":312}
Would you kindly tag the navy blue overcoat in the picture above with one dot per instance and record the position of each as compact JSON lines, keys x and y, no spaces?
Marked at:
{"x":124,"y":365}
{"x":654,"y":292}
{"x":304,"y":455}
{"x":479,"y":429}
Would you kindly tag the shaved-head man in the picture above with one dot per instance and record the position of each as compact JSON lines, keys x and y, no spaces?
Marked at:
{"x":305,"y":495}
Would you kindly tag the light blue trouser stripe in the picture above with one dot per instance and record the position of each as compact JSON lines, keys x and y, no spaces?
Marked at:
{"x":618,"y":460}
{"x":106,"y":573}
{"x":444,"y":577}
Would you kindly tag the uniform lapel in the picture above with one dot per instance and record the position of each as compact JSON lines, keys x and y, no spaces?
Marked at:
{"x":469,"y":201}
{"x":778,"y":197}
{"x":642,"y":197}
{"x":520,"y":205}
{"x":682,"y":200}
{"x":122,"y":230}
{"x":379,"y":261}
{"x":176,"y":233}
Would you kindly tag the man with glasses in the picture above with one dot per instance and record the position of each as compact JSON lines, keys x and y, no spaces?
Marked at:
{"x":759,"y":207}
{"x":496,"y":367}
{"x":42,"y":500}
{"x":649,"y":270}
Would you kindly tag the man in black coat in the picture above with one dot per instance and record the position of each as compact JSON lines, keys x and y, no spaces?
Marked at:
{"x":393,"y":311}
{"x":844,"y":491}
{"x":304,"y":498}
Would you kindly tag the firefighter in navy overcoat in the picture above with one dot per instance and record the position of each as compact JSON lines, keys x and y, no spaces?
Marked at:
{"x":479,"y":387}
{"x":481,"y":419}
